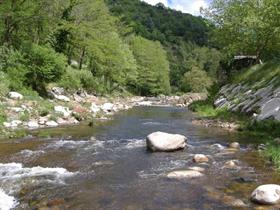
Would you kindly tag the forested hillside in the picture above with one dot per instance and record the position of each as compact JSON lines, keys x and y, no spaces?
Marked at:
{"x":103,"y":47}
{"x":186,"y":39}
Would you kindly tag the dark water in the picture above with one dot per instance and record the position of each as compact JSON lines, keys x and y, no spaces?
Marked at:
{"x":107,"y":166}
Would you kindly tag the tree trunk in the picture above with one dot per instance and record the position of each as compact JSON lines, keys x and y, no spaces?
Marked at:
{"x":82,"y":58}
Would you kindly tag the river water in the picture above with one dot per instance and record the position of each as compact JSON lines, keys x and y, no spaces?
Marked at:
{"x":107,"y":166}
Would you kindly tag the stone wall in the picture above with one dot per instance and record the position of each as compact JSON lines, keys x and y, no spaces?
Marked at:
{"x":262,"y":103}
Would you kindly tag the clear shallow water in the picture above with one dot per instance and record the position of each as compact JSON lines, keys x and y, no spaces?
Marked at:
{"x":108,"y":167}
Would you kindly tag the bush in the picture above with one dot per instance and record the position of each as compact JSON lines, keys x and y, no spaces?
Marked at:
{"x":4,"y":84}
{"x":77,"y":79}
{"x":89,"y":82}
{"x":196,"y":80}
{"x":70,"y":81}
{"x":44,"y":66}
{"x":12,"y":62}
{"x":3,"y":116}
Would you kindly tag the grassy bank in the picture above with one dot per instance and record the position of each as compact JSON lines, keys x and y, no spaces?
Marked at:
{"x":266,"y":131}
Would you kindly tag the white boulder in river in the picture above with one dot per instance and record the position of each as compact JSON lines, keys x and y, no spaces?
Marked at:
{"x":266,"y":194}
{"x":165,"y":142}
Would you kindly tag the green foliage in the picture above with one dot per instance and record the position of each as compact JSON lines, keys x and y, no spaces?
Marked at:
{"x":260,"y":75}
{"x":4,"y":84}
{"x":3,"y":116}
{"x":270,"y":127}
{"x":153,"y":67}
{"x":196,"y":80}
{"x":247,"y":27}
{"x":44,"y":66}
{"x":160,"y":23}
{"x":273,"y":153}
{"x":25,"y":116}
{"x":12,"y":63}
{"x":70,"y":81}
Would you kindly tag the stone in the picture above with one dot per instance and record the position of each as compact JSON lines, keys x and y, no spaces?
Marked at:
{"x":217,"y":146}
{"x":16,"y":123}
{"x":200,"y":158}
{"x":165,"y":142}
{"x":17,"y":109}
{"x":184,"y":174}
{"x":51,"y":123}
{"x":62,"y":98}
{"x":107,"y":107}
{"x":231,"y":164}
{"x":268,"y":194}
{"x":144,"y":103}
{"x":94,"y":108}
{"x":58,"y":90}
{"x":234,"y":145}
{"x":42,"y":120}
{"x":64,"y":110}
{"x":196,"y":168}
{"x":232,"y":201}
{"x":15,"y":95}
{"x":61,"y":121}
{"x":33,"y":124}
{"x":271,"y":109}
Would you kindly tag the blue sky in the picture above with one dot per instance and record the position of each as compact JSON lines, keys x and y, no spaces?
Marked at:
{"x":187,"y":6}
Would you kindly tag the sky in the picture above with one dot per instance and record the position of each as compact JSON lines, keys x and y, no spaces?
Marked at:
{"x":186,"y":6}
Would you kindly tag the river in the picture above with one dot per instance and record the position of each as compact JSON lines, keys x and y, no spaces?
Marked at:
{"x":107,"y":166}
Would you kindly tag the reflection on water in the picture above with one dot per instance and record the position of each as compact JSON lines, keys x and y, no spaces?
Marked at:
{"x":108,"y":167}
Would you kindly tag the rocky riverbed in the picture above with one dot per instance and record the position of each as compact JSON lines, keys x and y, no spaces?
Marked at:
{"x":108,"y":166}
{"x":64,"y":109}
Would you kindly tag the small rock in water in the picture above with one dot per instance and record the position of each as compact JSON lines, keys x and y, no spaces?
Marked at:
{"x":234,"y":145}
{"x":266,"y":194}
{"x":218,"y":146}
{"x":196,"y":168}
{"x":232,"y":201}
{"x":165,"y":142}
{"x":200,"y":158}
{"x":186,"y":174}
{"x":231,"y":164}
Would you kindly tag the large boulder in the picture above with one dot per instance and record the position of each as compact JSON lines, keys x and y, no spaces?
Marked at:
{"x":266,"y":194}
{"x":15,"y":95}
{"x":165,"y":142}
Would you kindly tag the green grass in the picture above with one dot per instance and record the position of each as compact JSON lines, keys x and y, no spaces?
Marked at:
{"x":273,"y":153}
{"x":259,"y":75}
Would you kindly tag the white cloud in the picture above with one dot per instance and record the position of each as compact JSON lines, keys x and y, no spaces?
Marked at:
{"x":154,"y":2}
{"x":189,"y":6}
{"x":186,"y":6}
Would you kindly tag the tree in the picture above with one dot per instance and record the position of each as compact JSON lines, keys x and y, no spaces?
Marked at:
{"x":153,"y":67}
{"x":196,"y":80}
{"x":247,"y":27}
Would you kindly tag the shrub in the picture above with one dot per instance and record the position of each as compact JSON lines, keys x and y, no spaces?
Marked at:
{"x":12,"y":63}
{"x":3,"y":116}
{"x":44,"y":66}
{"x":4,"y":84}
{"x":196,"y":80}
{"x":70,"y":81}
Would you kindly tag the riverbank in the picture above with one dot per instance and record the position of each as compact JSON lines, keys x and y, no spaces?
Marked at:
{"x":20,"y":114}
{"x":266,"y":132}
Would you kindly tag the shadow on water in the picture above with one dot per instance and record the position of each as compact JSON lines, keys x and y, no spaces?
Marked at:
{"x":107,"y":166}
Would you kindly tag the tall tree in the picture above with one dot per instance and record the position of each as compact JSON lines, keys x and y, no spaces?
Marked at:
{"x":246,"y":26}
